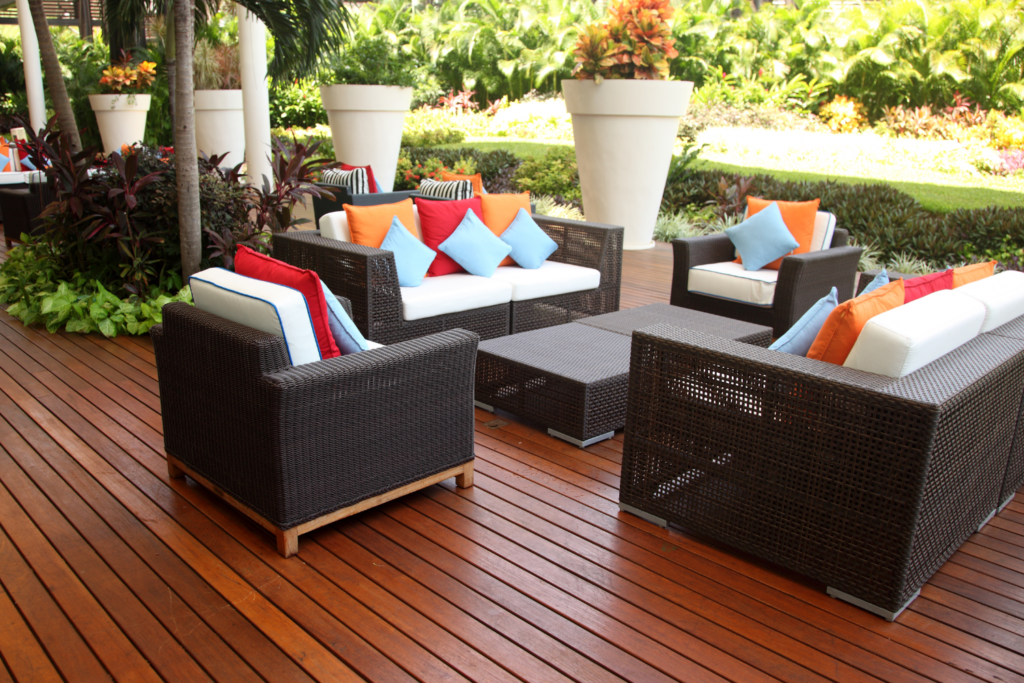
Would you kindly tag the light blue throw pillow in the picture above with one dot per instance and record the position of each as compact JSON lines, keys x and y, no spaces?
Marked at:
{"x":412,"y":257}
{"x":346,"y":335}
{"x":762,"y":238}
{"x":798,"y":339}
{"x":474,"y":246}
{"x":531,"y":246}
{"x":880,"y":280}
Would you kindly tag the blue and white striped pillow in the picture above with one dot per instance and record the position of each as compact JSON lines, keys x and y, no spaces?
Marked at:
{"x":355,"y":180}
{"x":447,"y":189}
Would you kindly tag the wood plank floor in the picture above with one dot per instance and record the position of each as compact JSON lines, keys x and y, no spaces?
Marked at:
{"x":111,"y":571}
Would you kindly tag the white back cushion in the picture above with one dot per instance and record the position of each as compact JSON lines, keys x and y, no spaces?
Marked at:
{"x":334,"y":226}
{"x":905,"y":339}
{"x":1002,"y":295}
{"x":265,"y":306}
{"x":728,"y":280}
{"x":824,"y":228}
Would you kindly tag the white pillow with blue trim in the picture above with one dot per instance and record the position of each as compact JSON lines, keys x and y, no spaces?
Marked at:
{"x":265,"y":306}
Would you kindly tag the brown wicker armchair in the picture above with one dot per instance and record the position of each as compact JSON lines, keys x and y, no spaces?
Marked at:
{"x":368,"y":278}
{"x":863,"y":482}
{"x":297,"y":447}
{"x":803,"y":279}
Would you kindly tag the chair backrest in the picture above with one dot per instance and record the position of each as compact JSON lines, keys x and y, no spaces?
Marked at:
{"x":334,"y":225}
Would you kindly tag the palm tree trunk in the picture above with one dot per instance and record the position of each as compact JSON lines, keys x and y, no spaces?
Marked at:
{"x":170,"y":55}
{"x":54,"y":77}
{"x":185,"y":154}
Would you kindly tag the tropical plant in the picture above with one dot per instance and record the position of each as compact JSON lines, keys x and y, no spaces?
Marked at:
{"x":844,"y":114}
{"x":295,"y":103}
{"x":370,"y":61}
{"x":634,"y":42}
{"x":554,"y":174}
{"x":216,"y":66}
{"x":127,"y":77}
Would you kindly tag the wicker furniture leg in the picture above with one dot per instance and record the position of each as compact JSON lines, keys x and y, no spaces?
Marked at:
{"x":288,"y":539}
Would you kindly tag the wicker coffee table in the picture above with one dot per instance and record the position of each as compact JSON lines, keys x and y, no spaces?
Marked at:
{"x":573,"y":378}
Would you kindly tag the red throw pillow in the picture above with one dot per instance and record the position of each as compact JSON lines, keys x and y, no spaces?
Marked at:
{"x":261,"y":267}
{"x":369,"y":176}
{"x":917,"y":287}
{"x":438,"y":220}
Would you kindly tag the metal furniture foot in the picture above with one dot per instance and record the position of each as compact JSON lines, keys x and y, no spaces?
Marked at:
{"x":988,"y":519}
{"x":643,"y":515}
{"x":577,"y":442}
{"x":874,"y":609}
{"x":484,"y":406}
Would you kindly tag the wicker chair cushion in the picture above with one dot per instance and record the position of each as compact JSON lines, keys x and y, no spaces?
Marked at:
{"x":800,"y":219}
{"x":972,"y":273}
{"x":346,"y":335}
{"x":355,"y":180}
{"x":477,"y":179}
{"x":412,"y":257}
{"x":880,"y":280}
{"x":453,"y":294}
{"x":446,"y":189}
{"x":264,"y":306}
{"x":368,"y":225}
{"x":373,"y":185}
{"x":334,"y":226}
{"x":551,"y":279}
{"x":1003,"y":296}
{"x":474,"y":247}
{"x":839,"y":333}
{"x":500,"y":210}
{"x":798,"y":339}
{"x":905,"y":339}
{"x":531,"y":246}
{"x":919,"y":287}
{"x":729,"y":280}
{"x":438,"y":221}
{"x":762,"y":238}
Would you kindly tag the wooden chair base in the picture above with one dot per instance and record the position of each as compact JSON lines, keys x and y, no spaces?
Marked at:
{"x":288,"y":539}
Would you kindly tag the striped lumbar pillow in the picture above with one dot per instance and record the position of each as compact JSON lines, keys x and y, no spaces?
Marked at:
{"x":449,"y":189}
{"x":355,"y":180}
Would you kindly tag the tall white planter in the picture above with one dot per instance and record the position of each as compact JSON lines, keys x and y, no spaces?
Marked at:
{"x":121,"y":118}
{"x":625,"y":131}
{"x":220,"y":124}
{"x":366,"y":126}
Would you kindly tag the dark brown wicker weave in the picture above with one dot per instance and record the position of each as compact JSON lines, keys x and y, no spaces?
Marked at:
{"x":368,"y":278}
{"x":803,"y":279}
{"x":294,"y":444}
{"x":1015,"y":467}
{"x":322,"y":205}
{"x":624,"y":322}
{"x":863,"y":482}
{"x":570,"y":378}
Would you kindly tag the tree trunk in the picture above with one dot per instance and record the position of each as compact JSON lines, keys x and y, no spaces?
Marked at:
{"x":54,"y":77}
{"x":170,"y":56}
{"x":185,"y":154}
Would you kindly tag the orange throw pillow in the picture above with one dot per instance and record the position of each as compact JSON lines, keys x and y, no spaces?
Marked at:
{"x":843,"y":325}
{"x":369,"y":225}
{"x":499,"y":212}
{"x":476,"y":178}
{"x":972,"y":273}
{"x":799,"y":218}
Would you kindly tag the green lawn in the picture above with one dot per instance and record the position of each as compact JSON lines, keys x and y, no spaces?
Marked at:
{"x":849,"y":159}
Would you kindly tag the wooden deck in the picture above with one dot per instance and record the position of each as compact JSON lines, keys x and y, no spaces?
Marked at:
{"x":109,"y":570}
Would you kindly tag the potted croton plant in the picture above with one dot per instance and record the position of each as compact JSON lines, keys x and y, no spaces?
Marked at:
{"x":367,"y":92}
{"x":625,"y":115}
{"x":122,"y":104}
{"x":220,"y":123}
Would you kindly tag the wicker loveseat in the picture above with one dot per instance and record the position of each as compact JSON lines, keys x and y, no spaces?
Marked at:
{"x":297,"y":447}
{"x":368,"y":278}
{"x":861,"y":481}
{"x":802,"y":279}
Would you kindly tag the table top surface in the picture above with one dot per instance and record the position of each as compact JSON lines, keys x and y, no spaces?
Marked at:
{"x":630,"y":319}
{"x":573,"y":351}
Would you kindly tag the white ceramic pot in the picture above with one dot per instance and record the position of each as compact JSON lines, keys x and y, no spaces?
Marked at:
{"x":220,"y":124}
{"x":121,"y":118}
{"x":624,"y":132}
{"x":366,"y":126}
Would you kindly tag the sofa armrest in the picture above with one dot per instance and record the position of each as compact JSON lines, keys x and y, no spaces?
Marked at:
{"x":805,"y":278}
{"x":591,"y":245}
{"x":364,"y":275}
{"x":688,"y":252}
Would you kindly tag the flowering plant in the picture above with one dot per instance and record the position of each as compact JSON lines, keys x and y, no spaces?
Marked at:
{"x":122,"y":77}
{"x":634,"y":42}
{"x":432,"y":168}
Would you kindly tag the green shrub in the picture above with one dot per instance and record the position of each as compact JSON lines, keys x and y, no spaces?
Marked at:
{"x":699,"y":117}
{"x":370,"y":61}
{"x":553,"y":174}
{"x":425,"y":127}
{"x":296,"y":104}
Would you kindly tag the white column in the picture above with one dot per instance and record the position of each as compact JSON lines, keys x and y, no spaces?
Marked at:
{"x":252,"y":58}
{"x":33,"y":69}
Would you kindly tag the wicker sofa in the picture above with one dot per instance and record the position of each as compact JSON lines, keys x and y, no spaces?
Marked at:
{"x":861,"y":481}
{"x":368,"y":278}
{"x":802,"y":279}
{"x":297,"y":447}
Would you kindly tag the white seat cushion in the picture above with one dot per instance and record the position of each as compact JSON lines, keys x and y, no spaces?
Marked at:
{"x":728,"y":280}
{"x":551,"y":279}
{"x":452,"y":294}
{"x":334,"y":226}
{"x":1002,"y":295}
{"x":373,"y":345}
{"x":904,"y":339}
{"x":265,"y":306}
